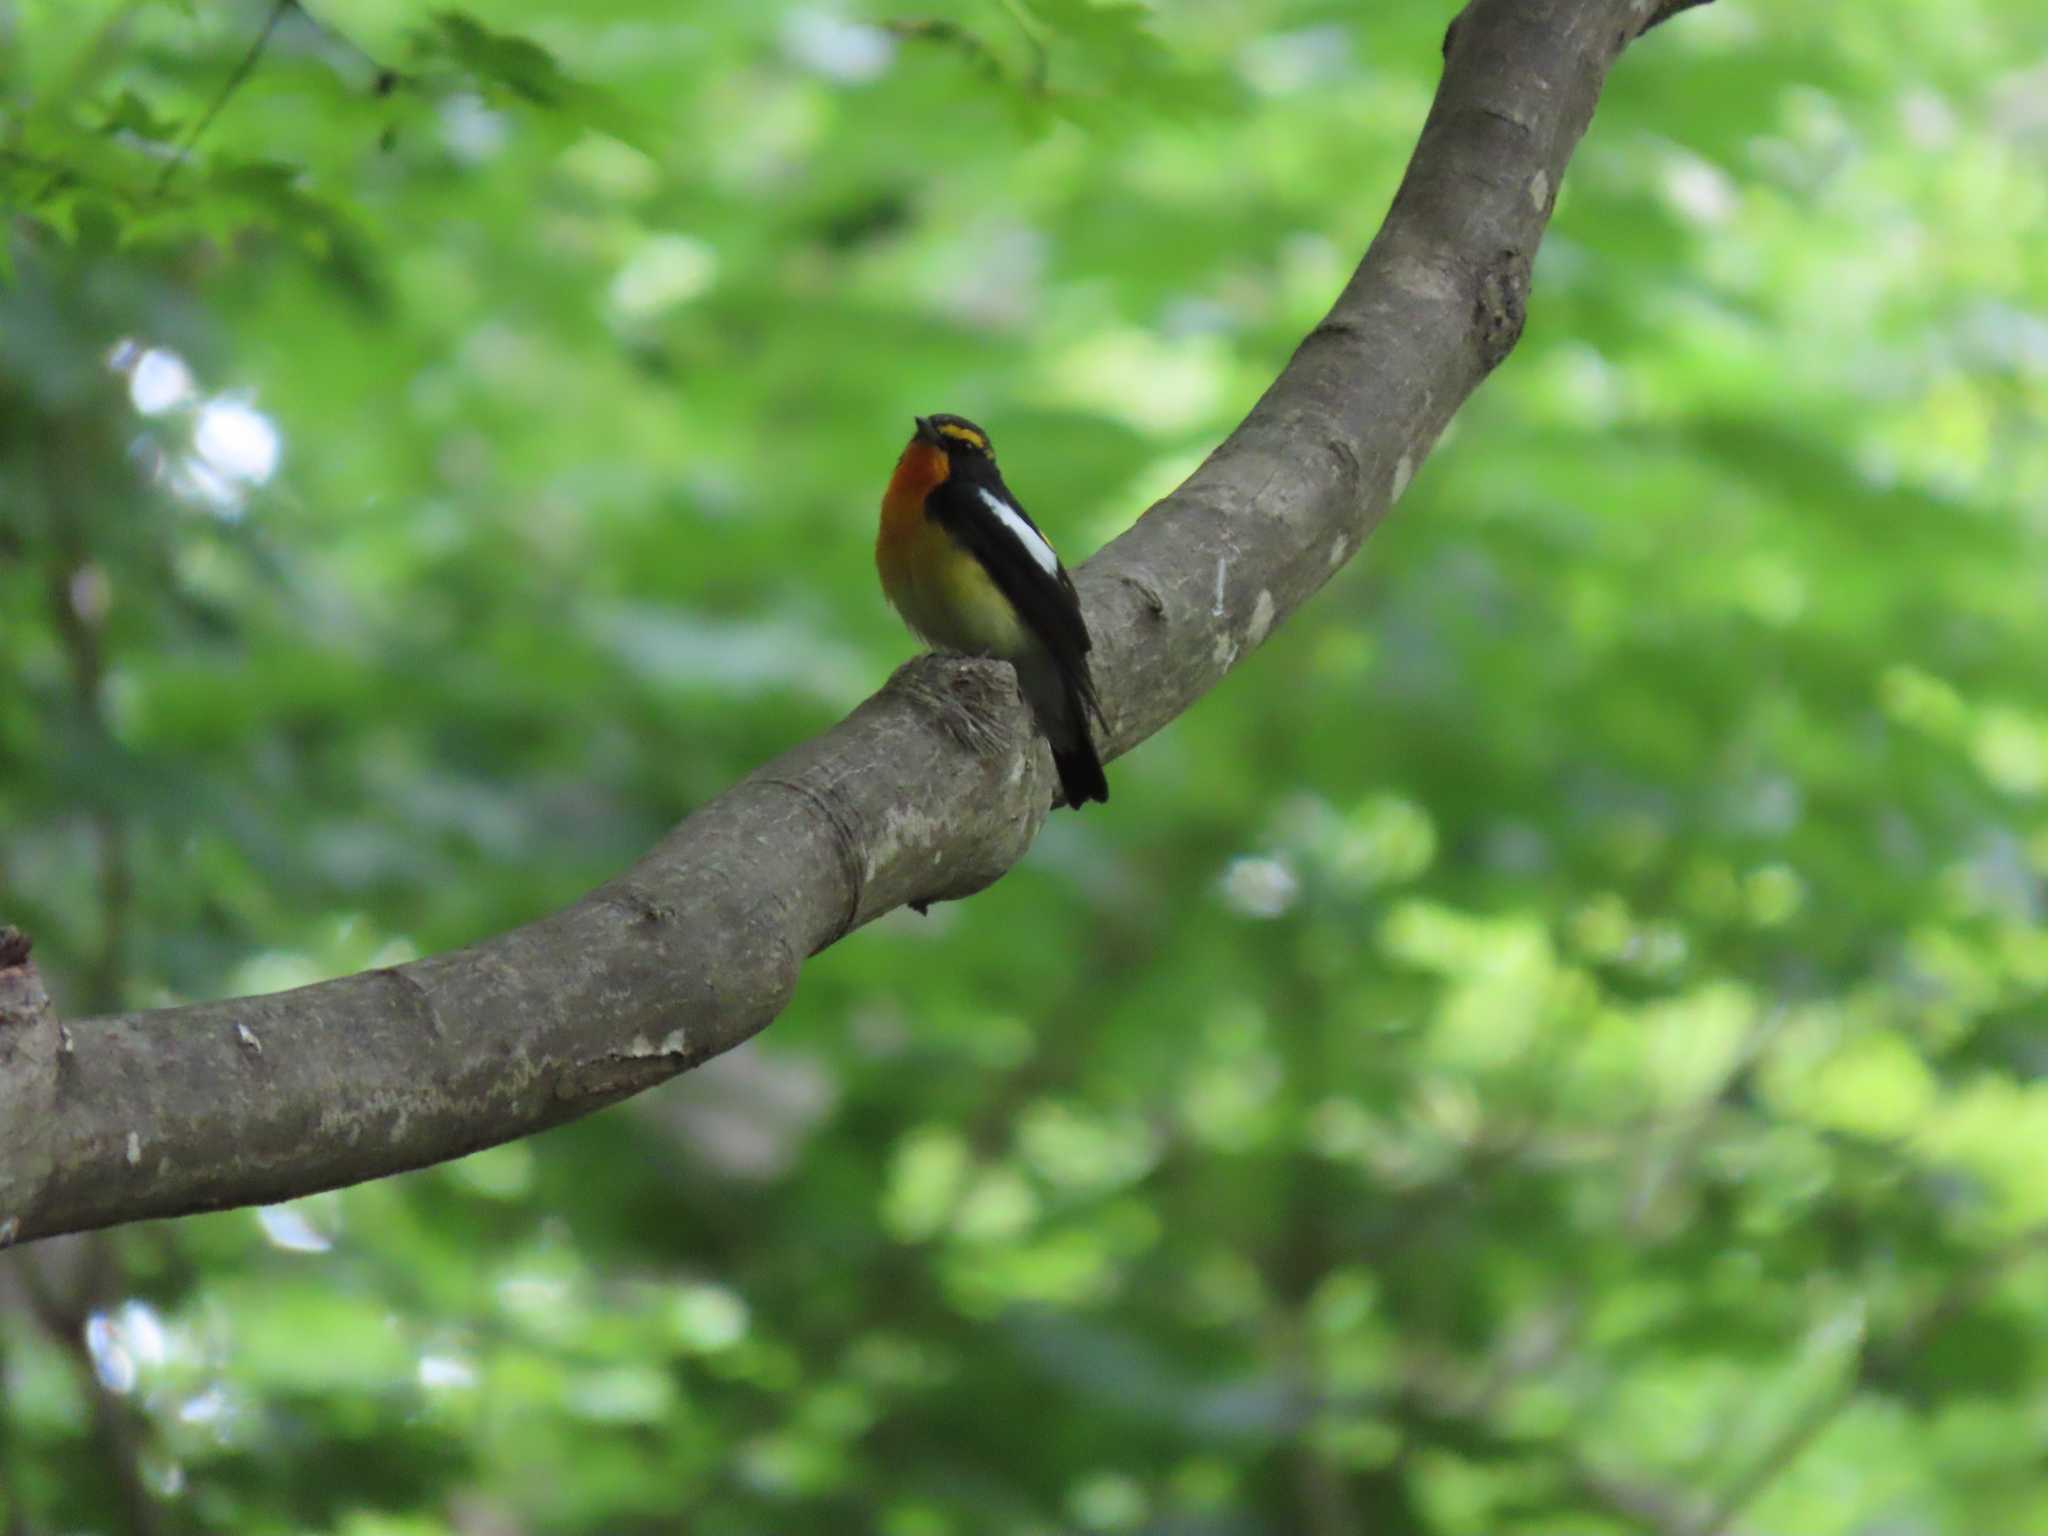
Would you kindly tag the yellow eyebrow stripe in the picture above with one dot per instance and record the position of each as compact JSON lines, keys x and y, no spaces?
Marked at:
{"x":966,"y":435}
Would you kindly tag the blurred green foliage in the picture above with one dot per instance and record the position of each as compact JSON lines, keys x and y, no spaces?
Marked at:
{"x":1556,"y":1045}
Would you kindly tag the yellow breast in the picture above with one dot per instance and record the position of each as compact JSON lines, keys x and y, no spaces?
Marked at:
{"x":944,"y":594}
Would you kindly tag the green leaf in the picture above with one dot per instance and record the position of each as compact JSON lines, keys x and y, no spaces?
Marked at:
{"x":530,"y":74}
{"x":131,"y":114}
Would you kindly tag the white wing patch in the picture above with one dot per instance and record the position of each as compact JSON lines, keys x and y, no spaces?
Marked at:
{"x":1022,"y":531}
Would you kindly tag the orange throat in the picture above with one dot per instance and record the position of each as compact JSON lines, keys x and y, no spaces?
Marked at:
{"x":921,"y":470}
{"x":904,"y":543}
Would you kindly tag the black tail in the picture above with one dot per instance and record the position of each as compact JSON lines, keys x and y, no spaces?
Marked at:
{"x":1081,"y":772}
{"x":1063,"y":703}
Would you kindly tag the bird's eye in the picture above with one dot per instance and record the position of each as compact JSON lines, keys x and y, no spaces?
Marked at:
{"x":965,"y":435}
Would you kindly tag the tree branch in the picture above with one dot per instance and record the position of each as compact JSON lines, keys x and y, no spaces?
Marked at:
{"x":930,"y":790}
{"x":1667,"y":9}
{"x":232,"y":84}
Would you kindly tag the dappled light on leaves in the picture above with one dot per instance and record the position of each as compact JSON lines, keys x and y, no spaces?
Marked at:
{"x":1553,"y":1043}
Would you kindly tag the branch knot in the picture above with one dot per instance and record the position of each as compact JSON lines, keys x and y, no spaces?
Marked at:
{"x":1502,"y":306}
{"x":14,"y":947}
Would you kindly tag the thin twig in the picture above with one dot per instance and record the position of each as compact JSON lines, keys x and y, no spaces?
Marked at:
{"x":233,"y":83}
{"x":1033,"y":32}
{"x":1433,"y":1395}
{"x":951,"y":34}
{"x":79,"y":633}
{"x":10,"y":1487}
{"x":1788,"y":1448}
{"x":1958,"y":1296}
{"x":115,"y":1422}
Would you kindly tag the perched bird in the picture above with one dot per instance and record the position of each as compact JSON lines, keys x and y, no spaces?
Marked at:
{"x":970,"y":572}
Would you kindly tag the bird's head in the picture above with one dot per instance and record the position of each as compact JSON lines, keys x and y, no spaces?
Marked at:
{"x":942,"y":448}
{"x":954,"y":436}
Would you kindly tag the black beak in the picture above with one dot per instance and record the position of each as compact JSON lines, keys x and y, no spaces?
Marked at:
{"x":926,"y":432}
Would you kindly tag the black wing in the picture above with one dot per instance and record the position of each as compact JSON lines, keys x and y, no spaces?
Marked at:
{"x":1045,"y":600}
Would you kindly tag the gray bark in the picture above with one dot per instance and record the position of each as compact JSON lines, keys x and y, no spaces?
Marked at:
{"x":929,"y":791}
